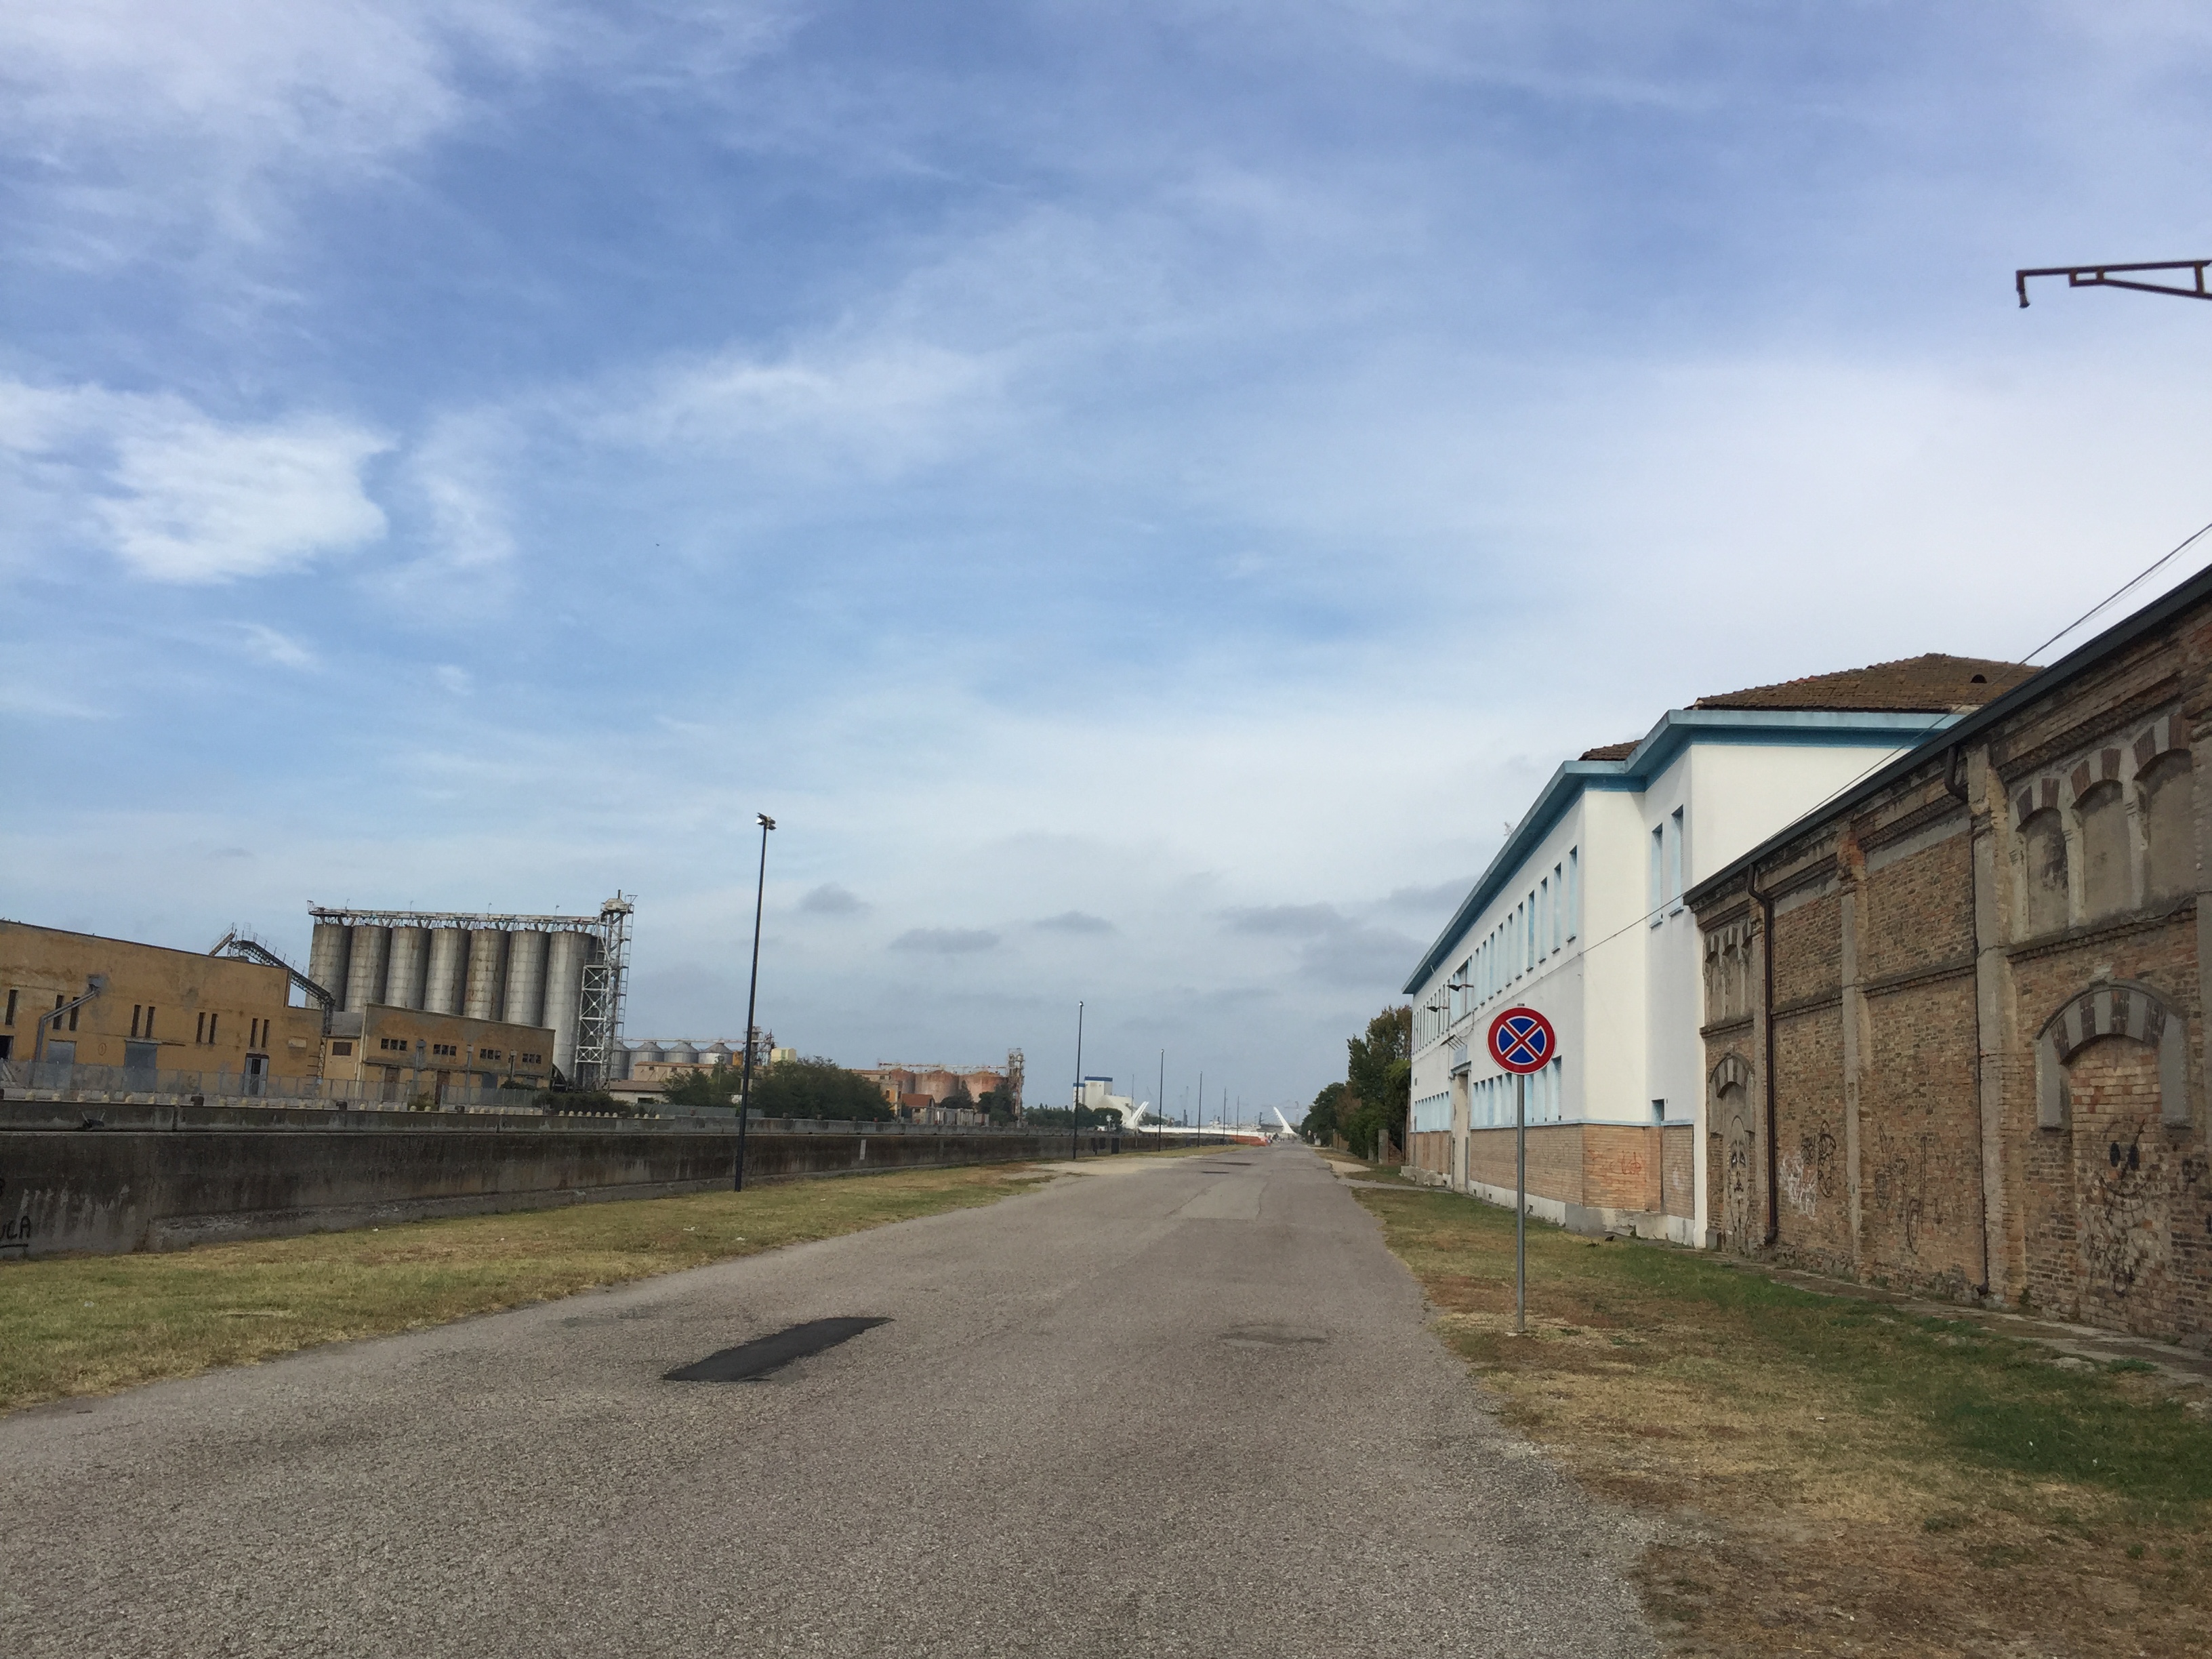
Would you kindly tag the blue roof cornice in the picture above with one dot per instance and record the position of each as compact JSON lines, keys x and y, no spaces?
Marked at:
{"x":1678,"y":728}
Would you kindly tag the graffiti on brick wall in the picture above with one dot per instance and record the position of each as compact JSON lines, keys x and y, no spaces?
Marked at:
{"x":2121,"y":1233}
{"x":1913,"y":1197}
{"x":2130,"y":1185}
{"x":1809,"y":1174}
{"x":1738,"y":1184}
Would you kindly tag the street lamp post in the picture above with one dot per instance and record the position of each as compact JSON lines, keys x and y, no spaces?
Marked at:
{"x":1075,"y":1134}
{"x":752,"y":995}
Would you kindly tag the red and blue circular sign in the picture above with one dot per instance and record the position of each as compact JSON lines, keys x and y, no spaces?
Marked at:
{"x":1522,"y":1040}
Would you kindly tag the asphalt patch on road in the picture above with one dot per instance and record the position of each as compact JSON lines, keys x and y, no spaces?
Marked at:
{"x":749,"y":1361}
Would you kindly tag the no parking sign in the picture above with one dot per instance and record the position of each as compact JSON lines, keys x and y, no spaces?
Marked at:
{"x":1522,"y":1040}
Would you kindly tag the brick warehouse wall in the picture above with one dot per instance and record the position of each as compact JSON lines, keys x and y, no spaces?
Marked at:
{"x":1430,"y":1152}
{"x":1620,"y":1167}
{"x":1555,"y":1160}
{"x":1596,"y":1169}
{"x":1986,"y":1027}
{"x":1678,"y":1169}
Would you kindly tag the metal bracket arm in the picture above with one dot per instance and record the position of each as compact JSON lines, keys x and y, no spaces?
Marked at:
{"x":2102,"y":277}
{"x":51,"y":1020}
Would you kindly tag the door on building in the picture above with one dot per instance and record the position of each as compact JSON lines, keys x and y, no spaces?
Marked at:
{"x":140,"y":1062}
{"x":61,"y":1053}
{"x":257,"y":1073}
{"x":391,"y":1091}
{"x":444,"y":1081}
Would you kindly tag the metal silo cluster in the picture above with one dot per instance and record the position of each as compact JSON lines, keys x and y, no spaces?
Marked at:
{"x":564,"y":972}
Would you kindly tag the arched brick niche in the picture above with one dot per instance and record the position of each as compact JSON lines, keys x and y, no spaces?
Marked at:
{"x":2112,"y":1008}
{"x":2107,"y":831}
{"x":1734,"y":1164}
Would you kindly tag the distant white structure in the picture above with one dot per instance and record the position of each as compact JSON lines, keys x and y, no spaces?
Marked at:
{"x":1096,"y":1096}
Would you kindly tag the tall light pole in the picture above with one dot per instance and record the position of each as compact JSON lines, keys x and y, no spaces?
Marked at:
{"x":1160,"y":1134}
{"x":752,"y":994}
{"x":1075,"y":1116}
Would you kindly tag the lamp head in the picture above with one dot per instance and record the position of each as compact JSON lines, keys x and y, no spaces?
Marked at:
{"x":766,"y":821}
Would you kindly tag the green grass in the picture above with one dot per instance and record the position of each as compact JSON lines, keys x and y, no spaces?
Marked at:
{"x":1992,"y":1399}
{"x":91,"y":1324}
{"x":1832,"y":1474}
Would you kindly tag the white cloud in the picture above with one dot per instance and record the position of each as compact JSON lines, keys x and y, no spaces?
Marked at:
{"x":452,"y":494}
{"x":271,"y":647}
{"x":180,"y":496}
{"x":206,"y":502}
{"x":888,"y":403}
{"x":146,"y":112}
{"x":138,"y":117}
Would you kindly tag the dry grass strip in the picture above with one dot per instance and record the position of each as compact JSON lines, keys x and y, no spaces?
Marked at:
{"x":1834,"y":1476}
{"x":93,"y":1324}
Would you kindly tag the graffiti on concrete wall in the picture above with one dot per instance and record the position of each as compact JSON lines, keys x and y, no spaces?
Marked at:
{"x":14,"y":1230}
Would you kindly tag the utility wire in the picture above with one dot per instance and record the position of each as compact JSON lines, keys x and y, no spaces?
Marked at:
{"x":1849,"y":784}
{"x":2108,"y":599}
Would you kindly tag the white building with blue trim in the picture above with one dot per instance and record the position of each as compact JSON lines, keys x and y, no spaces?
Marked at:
{"x":1580,"y":916}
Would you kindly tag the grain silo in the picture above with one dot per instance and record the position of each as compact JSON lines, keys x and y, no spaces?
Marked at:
{"x":568,"y":973}
{"x":526,"y":976}
{"x":404,"y":967}
{"x":365,"y":964}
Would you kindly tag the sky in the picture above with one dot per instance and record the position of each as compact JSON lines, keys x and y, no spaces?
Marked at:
{"x":1142,"y":493}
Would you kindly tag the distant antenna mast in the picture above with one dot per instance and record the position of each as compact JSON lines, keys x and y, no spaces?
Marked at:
{"x":2102,"y":277}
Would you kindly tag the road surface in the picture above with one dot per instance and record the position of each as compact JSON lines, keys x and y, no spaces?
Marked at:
{"x":1173,"y":1406}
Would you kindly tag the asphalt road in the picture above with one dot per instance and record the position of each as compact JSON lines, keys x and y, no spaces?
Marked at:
{"x":1179,"y":1407}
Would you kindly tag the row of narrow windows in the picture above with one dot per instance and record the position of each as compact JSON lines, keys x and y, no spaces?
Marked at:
{"x":1490,"y":1103}
{"x":1491,"y":1106}
{"x":1541,"y":924}
{"x":144,"y":1017}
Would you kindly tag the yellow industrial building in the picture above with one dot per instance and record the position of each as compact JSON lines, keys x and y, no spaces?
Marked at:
{"x":146,"y":1008}
{"x":73,"y":1003}
{"x":406,"y":1053}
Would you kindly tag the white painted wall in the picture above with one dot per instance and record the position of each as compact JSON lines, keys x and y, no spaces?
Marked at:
{"x":1627,"y":994}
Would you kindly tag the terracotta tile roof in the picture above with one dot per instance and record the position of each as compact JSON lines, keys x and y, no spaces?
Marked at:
{"x":1611,"y":750}
{"x":1931,"y":684}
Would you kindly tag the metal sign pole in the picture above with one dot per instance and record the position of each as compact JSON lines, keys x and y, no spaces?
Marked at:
{"x":1519,"y":1204}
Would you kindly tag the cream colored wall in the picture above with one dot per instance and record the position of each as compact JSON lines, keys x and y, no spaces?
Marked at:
{"x":185,"y":989}
{"x":482,"y":1049}
{"x":1614,"y":970}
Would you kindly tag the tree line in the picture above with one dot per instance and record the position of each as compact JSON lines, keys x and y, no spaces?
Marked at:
{"x":819,"y":1088}
{"x":1372,"y":1101}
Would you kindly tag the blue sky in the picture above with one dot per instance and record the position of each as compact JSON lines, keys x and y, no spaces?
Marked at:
{"x":1143,"y":494}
